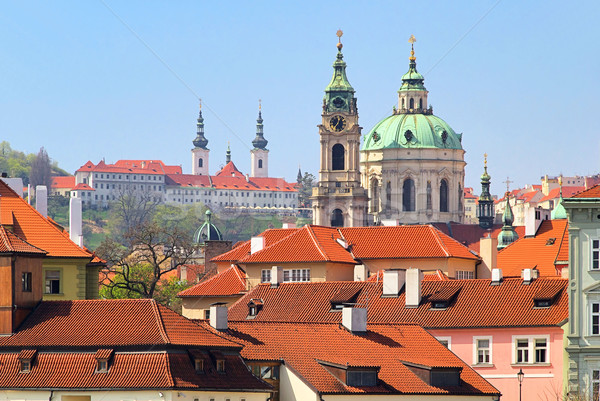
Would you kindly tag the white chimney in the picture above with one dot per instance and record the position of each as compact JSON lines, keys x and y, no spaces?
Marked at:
{"x":75,"y":221}
{"x":496,"y":276}
{"x":360,"y":273}
{"x":276,"y":276}
{"x":256,"y":244}
{"x":413,"y":288}
{"x":16,"y":184}
{"x":526,"y":276}
{"x":488,"y":249}
{"x":41,"y":200}
{"x":354,"y":319}
{"x":183,"y":272}
{"x":393,"y":280}
{"x":218,"y":316}
{"x":289,"y":225}
{"x":29,"y":193}
{"x":533,"y":218}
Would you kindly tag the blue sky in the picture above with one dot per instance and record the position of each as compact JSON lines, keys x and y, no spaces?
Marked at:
{"x":522,"y":85}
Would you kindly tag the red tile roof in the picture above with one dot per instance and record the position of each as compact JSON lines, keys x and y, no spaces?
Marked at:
{"x":567,"y":192}
{"x":82,"y":187}
{"x":308,"y":347}
{"x":477,"y":305}
{"x":242,"y":249}
{"x":593,"y":192}
{"x":154,"y":167}
{"x":108,"y":324}
{"x":549,"y":245}
{"x":10,"y":243}
{"x":229,"y":282}
{"x":470,"y":234}
{"x":63,"y":182}
{"x":29,"y":225}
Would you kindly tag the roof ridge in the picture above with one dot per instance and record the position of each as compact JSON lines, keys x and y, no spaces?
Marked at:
{"x":169,"y":373}
{"x":161,"y":323}
{"x":562,"y":237}
{"x":316,"y":242}
{"x":439,"y":240}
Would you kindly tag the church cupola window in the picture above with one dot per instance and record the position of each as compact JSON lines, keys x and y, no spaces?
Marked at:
{"x":444,"y":196}
{"x":260,"y":164}
{"x":412,"y":103}
{"x":420,"y":103}
{"x":388,"y":195}
{"x":408,"y":195}
{"x":429,"y":202}
{"x":200,"y":163}
{"x":408,"y":135}
{"x":337,"y":157}
{"x":337,"y":218}
{"x":374,"y":196}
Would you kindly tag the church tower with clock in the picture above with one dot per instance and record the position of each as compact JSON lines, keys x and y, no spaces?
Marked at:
{"x":339,"y":200}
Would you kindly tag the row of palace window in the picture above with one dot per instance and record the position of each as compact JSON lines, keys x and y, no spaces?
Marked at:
{"x":127,"y":186}
{"x":526,"y":350}
{"x":408,"y":195}
{"x":120,"y":177}
{"x":246,"y":204}
{"x":240,"y":194}
{"x":289,"y":275}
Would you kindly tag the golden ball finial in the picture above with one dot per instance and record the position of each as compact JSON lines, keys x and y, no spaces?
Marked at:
{"x":485,"y":159}
{"x":412,"y":41}
{"x":259,"y":104}
{"x":339,"y":34}
{"x":200,"y":103}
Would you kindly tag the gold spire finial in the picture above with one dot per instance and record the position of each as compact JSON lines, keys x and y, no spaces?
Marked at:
{"x":200,"y":103}
{"x":339,"y":34}
{"x":485,"y":160}
{"x":259,"y":105}
{"x":412,"y":41}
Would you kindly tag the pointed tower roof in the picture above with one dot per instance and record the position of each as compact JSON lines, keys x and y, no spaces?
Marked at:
{"x":412,"y":80}
{"x":299,"y":177}
{"x":559,"y":211}
{"x":339,"y":94}
{"x":259,"y":142}
{"x":485,"y":183}
{"x":200,"y":141}
{"x":508,"y":234}
{"x":228,"y":154}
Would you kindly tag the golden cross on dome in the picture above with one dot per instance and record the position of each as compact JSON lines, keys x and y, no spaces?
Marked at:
{"x":485,"y":160}
{"x":339,"y":34}
{"x":259,"y":104}
{"x":412,"y":41}
{"x":508,"y":182}
{"x":200,"y":103}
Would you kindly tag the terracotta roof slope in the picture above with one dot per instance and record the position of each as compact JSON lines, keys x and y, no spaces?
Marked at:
{"x":475,"y":304}
{"x":9,"y":242}
{"x":242,"y":250}
{"x":593,"y":192}
{"x":388,"y":348}
{"x":107,"y":324}
{"x":229,"y":282}
{"x":63,"y":182}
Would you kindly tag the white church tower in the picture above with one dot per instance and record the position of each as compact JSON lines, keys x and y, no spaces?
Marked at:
{"x":200,"y":151}
{"x":259,"y":156}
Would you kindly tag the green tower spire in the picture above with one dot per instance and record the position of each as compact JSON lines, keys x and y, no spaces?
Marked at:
{"x":259,"y":142}
{"x":485,"y":206}
{"x":228,"y":154}
{"x":200,"y":141}
{"x":339,"y":94}
{"x":508,"y":234}
{"x":559,"y":211}
{"x":207,"y":231}
{"x":412,"y":80}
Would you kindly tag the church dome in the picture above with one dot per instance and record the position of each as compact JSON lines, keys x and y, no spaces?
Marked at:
{"x":406,"y":130}
{"x":207,"y":231}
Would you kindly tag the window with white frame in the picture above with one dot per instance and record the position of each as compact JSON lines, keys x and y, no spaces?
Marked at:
{"x":530,"y":349}
{"x":445,"y":341}
{"x":296,"y":275}
{"x":595,"y":265}
{"x":595,"y":318}
{"x":464,"y":275}
{"x":265,"y":276}
{"x":482,"y":354}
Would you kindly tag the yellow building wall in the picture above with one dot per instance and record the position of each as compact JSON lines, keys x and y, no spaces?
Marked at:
{"x":74,"y":278}
{"x":318,"y":271}
{"x":194,"y":308}
{"x":447,"y":265}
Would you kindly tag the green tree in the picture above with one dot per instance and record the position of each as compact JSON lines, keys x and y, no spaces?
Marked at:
{"x":306,"y":185}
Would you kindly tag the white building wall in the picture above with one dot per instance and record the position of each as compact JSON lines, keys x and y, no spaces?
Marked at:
{"x":197,"y":155}
{"x":259,"y":160}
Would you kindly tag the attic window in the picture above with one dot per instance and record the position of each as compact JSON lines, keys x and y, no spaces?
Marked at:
{"x":102,"y":357}
{"x":254,"y":306}
{"x":436,"y":376}
{"x":25,"y":366}
{"x":550,"y":241}
{"x":199,"y":365}
{"x":26,"y":358}
{"x":545,"y":296}
{"x":355,"y":376}
{"x":358,"y":378}
{"x":102,"y":366}
{"x":344,"y":297}
{"x":221,"y":365}
{"x":443,"y":298}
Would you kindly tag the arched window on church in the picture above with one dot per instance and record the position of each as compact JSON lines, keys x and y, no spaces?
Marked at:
{"x":460,"y":196}
{"x":429,"y":202}
{"x":337,"y":218}
{"x":200,"y":163}
{"x":337,"y":157}
{"x":420,"y":103}
{"x":444,"y":196}
{"x":259,"y":163}
{"x":408,"y":195}
{"x":374,"y":195}
{"x":412,"y":103}
{"x":388,"y":195}
{"x":403,"y":103}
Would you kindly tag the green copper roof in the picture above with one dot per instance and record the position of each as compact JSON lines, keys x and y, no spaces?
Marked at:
{"x":508,"y":235}
{"x":207,"y":231}
{"x":200,"y":141}
{"x":259,"y":142}
{"x":412,"y":80}
{"x":412,"y":131}
{"x":339,"y":94}
{"x":559,"y":211}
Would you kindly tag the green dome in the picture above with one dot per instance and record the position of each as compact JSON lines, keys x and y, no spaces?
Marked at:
{"x":207,"y":231}
{"x":559,"y":211}
{"x":412,"y":131}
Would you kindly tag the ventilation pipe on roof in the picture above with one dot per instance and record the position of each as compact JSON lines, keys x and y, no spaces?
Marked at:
{"x":488,"y":249}
{"x":360,"y":273}
{"x":276,"y":276}
{"x":354,"y":319}
{"x":256,"y":244}
{"x":16,"y":184}
{"x":413,"y":288}
{"x":393,"y":280}
{"x":75,"y":221}
{"x":528,"y":275}
{"x":41,"y":200}
{"x":218,"y":316}
{"x":533,"y":219}
{"x":496,"y":276}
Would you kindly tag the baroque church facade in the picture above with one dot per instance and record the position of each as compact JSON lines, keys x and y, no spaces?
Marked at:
{"x":409,"y":170}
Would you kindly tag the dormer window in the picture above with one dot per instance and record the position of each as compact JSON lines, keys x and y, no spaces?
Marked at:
{"x":358,"y":378}
{"x":354,"y":376}
{"x":102,"y":366}
{"x":436,"y":376}
{"x":442,"y":298}
{"x":221,"y":365}
{"x":26,"y":358}
{"x":545,"y":296}
{"x":25,"y":366}
{"x":199,"y":365}
{"x":102,"y":358}
{"x":254,"y":306}
{"x":344,"y":297}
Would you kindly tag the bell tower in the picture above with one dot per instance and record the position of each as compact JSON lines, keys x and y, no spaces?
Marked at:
{"x":339,"y":200}
{"x":259,"y":155}
{"x":200,"y":151}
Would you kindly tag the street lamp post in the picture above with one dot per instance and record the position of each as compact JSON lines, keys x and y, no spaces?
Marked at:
{"x":520,"y":376}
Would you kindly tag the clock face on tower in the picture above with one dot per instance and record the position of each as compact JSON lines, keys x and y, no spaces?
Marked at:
{"x":337,"y":123}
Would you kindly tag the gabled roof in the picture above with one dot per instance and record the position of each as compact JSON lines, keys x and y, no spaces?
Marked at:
{"x":10,"y":243}
{"x":108,"y":324}
{"x":227,"y":283}
{"x":593,"y":192}
{"x":566,"y":192}
{"x":308,"y":348}
{"x":243,"y":249}
{"x":63,"y":182}
{"x":153,"y":167}
{"x":470,"y":234}
{"x":478,"y":304}
{"x":82,"y":187}
{"x":29,"y":225}
{"x":549,"y":246}
{"x":230,"y":170}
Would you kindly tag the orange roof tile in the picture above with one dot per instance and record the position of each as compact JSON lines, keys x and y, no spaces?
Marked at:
{"x":63,"y":182}
{"x":478,"y":304}
{"x":30,"y":226}
{"x":242,"y":249}
{"x":9,"y":242}
{"x":549,"y":245}
{"x":229,"y":282}
{"x":593,"y":192}
{"x":82,"y":187}
{"x":107,"y":324}
{"x":307,"y":348}
{"x":567,"y":192}
{"x":153,"y":167}
{"x":470,"y":234}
